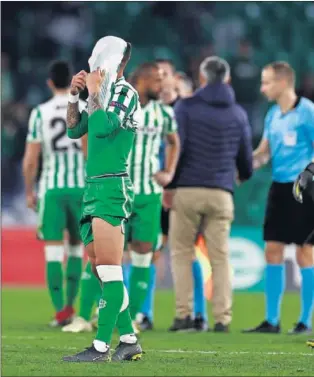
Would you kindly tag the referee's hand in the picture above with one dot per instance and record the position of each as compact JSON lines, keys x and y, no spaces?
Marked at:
{"x":302,"y":182}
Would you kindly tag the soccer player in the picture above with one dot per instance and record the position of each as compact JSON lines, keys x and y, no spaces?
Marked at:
{"x":148,"y":179}
{"x":107,"y":201}
{"x":288,"y":140}
{"x":60,"y":190}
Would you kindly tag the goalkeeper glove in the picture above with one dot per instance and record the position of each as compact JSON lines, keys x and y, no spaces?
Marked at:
{"x":302,"y":182}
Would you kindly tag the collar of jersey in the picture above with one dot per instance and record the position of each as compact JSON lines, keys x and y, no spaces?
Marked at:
{"x":120,"y":79}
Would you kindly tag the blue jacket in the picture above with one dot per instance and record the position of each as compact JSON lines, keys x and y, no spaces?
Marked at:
{"x":215,"y":140}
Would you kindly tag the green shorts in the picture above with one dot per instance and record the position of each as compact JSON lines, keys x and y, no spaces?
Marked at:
{"x":110,"y":199}
{"x":144,"y":222}
{"x":60,"y":210}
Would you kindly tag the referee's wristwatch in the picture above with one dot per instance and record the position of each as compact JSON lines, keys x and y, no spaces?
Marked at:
{"x":303,"y":181}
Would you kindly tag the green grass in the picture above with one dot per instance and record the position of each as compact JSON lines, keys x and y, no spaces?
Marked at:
{"x":31,"y":348}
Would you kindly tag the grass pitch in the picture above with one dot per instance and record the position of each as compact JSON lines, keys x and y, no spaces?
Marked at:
{"x":31,"y":348}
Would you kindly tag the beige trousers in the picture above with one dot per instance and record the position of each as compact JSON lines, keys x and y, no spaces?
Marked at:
{"x":215,"y":208}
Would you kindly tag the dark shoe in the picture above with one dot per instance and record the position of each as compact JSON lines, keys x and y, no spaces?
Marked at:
{"x":264,"y":327}
{"x":89,"y":355}
{"x":146,"y":324}
{"x":300,"y":328}
{"x":182,"y":324}
{"x":219,"y":327}
{"x":127,"y":352}
{"x":200,"y":324}
{"x":310,"y":343}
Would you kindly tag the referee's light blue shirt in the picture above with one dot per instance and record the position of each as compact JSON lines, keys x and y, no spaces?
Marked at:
{"x":291,"y":139}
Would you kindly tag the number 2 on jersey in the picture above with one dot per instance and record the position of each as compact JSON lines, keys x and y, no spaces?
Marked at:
{"x":56,"y":141}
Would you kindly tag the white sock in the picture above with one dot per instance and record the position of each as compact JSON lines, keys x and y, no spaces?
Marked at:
{"x":100,"y":346}
{"x":128,"y":338}
{"x":76,"y":251}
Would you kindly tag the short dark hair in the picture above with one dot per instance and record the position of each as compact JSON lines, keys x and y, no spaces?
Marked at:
{"x":142,"y":70}
{"x":60,"y":73}
{"x":167,"y":61}
{"x":127,"y":55}
{"x":215,"y":69}
{"x":283,"y":70}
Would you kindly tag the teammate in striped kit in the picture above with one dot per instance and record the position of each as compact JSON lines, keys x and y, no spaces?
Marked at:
{"x":60,"y":190}
{"x":148,"y":179}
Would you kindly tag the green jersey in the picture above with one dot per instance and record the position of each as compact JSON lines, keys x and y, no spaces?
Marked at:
{"x":111,"y":132}
{"x":63,"y":159}
{"x":158,"y":121}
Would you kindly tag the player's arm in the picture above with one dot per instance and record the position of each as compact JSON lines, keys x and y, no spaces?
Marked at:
{"x":123,"y":103}
{"x":172,"y":150}
{"x":32,"y":155}
{"x":77,"y":123}
{"x":84,"y":145}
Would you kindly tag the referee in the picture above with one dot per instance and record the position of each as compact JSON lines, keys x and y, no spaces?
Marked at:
{"x":288,"y":141}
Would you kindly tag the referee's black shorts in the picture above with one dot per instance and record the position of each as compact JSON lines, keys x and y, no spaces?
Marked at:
{"x":286,"y":220}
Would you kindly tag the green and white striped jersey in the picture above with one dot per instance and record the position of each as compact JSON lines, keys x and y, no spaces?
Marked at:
{"x":158,"y":121}
{"x":63,"y":159}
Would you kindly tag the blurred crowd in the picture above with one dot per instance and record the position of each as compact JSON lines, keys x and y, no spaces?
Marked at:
{"x":32,"y":36}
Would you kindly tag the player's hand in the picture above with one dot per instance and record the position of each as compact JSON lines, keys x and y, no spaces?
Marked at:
{"x":94,"y":81}
{"x":302,"y":182}
{"x":31,"y":201}
{"x":167,"y":199}
{"x":163,"y":178}
{"x":78,"y":82}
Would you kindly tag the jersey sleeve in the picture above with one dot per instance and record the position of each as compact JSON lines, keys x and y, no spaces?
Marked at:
{"x":122,"y":103}
{"x":170,"y":124}
{"x":122,"y":106}
{"x":309,"y":123}
{"x":35,"y":123}
{"x":80,"y":129}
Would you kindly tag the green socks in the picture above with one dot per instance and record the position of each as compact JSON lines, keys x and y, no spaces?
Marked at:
{"x":73,"y":276}
{"x":90,"y":292}
{"x":54,"y":272}
{"x":139,"y":280}
{"x":111,"y":301}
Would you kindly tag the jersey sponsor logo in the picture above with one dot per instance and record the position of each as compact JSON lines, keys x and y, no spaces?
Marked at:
{"x":150,"y":130}
{"x":119,"y":105}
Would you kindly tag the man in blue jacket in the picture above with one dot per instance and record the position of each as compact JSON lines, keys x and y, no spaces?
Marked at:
{"x":215,"y":147}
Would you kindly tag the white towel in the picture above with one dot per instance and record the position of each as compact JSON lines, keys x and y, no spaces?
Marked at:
{"x":107,"y":55}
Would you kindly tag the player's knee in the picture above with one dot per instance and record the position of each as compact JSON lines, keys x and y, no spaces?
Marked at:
{"x":142,"y":247}
{"x":76,"y":251}
{"x":274,"y":253}
{"x":54,"y":253}
{"x":140,"y":259}
{"x":304,"y":256}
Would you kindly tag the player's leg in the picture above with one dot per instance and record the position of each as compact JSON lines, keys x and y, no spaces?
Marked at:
{"x":277,"y":232}
{"x":200,"y":307}
{"x":90,"y":285}
{"x":146,"y":317}
{"x":51,"y":230}
{"x":304,"y":216}
{"x":108,"y":237}
{"x":145,"y":232}
{"x":306,"y":264}
{"x":75,"y":249}
{"x":126,"y":260}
